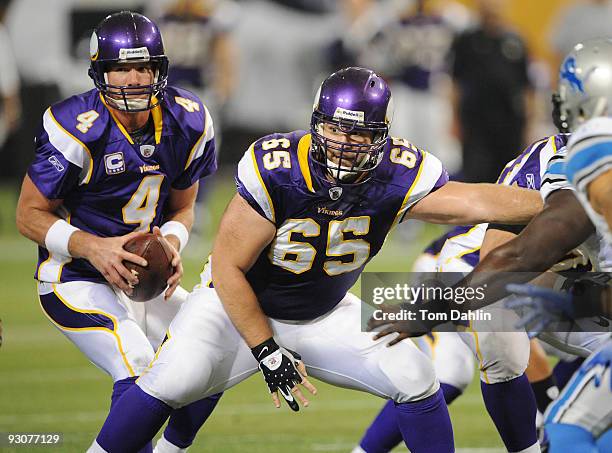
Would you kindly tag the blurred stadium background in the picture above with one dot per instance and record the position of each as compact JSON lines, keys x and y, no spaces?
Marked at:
{"x":258,"y":63}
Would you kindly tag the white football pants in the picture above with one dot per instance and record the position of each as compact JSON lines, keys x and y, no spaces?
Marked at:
{"x":204,"y":354}
{"x":116,"y":334}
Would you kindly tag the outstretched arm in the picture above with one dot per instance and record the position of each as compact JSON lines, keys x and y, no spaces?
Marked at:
{"x":468,"y":204}
{"x":559,"y":228}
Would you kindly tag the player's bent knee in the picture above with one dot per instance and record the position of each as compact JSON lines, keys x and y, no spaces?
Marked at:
{"x":410,"y":373}
{"x":141,"y":362}
{"x":177,"y":381}
{"x":458,"y":373}
{"x":501,"y":371}
{"x":503,"y":356}
{"x":175,"y":393}
{"x":453,"y":361}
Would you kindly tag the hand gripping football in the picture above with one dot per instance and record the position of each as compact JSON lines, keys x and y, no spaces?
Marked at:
{"x":152,"y":278}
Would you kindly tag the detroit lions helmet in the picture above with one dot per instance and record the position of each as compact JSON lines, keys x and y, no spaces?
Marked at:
{"x":356,"y":100}
{"x":585,"y":84}
{"x":128,"y":37}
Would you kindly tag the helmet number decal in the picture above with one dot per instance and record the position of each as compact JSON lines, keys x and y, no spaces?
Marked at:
{"x":86,"y":119}
{"x":276,"y":158}
{"x":404,"y":154}
{"x":142,"y":206}
{"x":187,"y":104}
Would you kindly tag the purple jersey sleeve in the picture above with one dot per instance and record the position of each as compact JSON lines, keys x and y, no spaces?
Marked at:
{"x":244,"y":193}
{"x":61,"y":162}
{"x":443,"y":179}
{"x":251,"y":186}
{"x":426,"y":176}
{"x":267,"y":171}
{"x":202,"y":160}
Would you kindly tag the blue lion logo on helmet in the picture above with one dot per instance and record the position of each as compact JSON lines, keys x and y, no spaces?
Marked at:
{"x":568,"y":72}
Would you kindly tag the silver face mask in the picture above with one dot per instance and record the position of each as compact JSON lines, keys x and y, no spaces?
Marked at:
{"x":585,"y":84}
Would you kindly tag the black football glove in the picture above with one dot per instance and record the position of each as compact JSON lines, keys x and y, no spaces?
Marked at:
{"x":279,"y":367}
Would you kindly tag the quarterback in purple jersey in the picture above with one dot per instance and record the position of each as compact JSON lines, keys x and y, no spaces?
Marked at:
{"x":312,"y":209}
{"x":114,"y":162}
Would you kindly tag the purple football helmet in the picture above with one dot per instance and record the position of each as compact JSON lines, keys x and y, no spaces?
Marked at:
{"x":128,"y":37}
{"x":355,"y":100}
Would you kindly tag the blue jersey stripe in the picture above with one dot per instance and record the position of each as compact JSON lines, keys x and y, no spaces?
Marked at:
{"x":555,"y":171}
{"x":571,"y":391}
{"x":586,"y":158}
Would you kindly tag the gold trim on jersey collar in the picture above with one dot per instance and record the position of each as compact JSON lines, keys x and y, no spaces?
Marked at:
{"x":156,"y":112}
{"x":158,"y":122}
{"x":302,"y":152}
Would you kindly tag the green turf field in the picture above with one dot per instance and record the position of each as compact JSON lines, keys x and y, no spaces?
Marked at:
{"x":47,"y":385}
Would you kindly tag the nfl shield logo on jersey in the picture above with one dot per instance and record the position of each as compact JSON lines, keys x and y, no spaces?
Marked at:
{"x":335,"y":193}
{"x":147,"y":150}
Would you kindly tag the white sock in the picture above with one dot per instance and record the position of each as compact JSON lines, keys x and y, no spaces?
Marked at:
{"x":165,"y":446}
{"x":539,"y":419}
{"x":95,"y":448}
{"x":535,"y":448}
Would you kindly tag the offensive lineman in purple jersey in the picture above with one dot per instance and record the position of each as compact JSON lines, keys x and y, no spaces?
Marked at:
{"x":311,"y":210}
{"x":111,"y":163}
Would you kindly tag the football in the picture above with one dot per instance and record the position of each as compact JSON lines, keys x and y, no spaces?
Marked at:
{"x":152,"y":278}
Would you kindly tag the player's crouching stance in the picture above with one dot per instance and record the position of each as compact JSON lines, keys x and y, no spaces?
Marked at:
{"x":111,"y":163}
{"x":311,"y":210}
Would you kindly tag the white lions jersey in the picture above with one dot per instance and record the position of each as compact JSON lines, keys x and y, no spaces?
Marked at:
{"x":596,"y":247}
{"x":589,"y":156}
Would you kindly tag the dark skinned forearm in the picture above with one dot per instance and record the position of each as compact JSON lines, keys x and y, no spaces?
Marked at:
{"x":561,"y":226}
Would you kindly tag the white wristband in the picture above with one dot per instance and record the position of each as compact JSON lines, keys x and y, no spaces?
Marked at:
{"x":177,"y":229}
{"x":58,"y":236}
